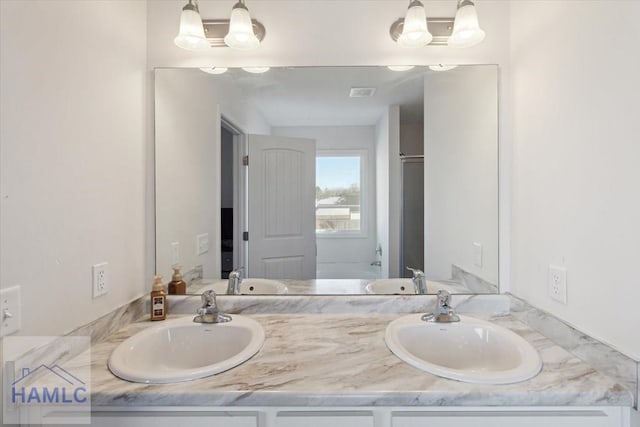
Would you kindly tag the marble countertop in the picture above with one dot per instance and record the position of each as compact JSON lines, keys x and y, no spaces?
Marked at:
{"x":342,"y":360}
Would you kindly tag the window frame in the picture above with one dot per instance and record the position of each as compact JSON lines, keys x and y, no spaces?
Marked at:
{"x":363,"y":155}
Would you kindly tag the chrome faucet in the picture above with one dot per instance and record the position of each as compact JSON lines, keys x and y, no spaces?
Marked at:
{"x":419,"y":281}
{"x":443,"y":313}
{"x":209,"y":312}
{"x":233,"y":286}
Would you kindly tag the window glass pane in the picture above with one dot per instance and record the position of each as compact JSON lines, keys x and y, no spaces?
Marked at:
{"x":337,"y":193}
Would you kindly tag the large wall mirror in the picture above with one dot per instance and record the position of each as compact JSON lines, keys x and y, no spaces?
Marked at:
{"x":328,"y":180}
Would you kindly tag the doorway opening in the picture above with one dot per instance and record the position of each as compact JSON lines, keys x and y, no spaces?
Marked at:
{"x":232,"y":198}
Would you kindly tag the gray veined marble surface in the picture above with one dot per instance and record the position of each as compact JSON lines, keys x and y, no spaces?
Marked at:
{"x":605,"y":359}
{"x":342,"y":360}
{"x":334,"y":304}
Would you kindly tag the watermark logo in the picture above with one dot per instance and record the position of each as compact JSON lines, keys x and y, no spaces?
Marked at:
{"x":70,"y":390}
{"x":47,"y":380}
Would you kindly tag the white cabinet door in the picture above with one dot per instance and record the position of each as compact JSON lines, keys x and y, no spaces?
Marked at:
{"x":325,"y":419}
{"x":510,"y":419}
{"x":174,"y":419}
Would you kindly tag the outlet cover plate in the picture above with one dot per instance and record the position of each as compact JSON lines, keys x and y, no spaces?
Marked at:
{"x":99,"y":284}
{"x":10,"y":310}
{"x":558,"y":283}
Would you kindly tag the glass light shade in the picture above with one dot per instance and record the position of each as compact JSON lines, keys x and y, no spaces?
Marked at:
{"x":191,"y":35}
{"x":442,"y":67}
{"x":466,"y":30}
{"x":400,"y":67}
{"x":256,"y":70}
{"x":241,"y":35}
{"x":414,"y":30}
{"x":214,"y":70}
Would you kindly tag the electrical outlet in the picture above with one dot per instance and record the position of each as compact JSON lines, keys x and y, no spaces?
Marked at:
{"x":100,"y":285}
{"x":175,"y":253}
{"x":202,"y":243}
{"x":477,"y":254}
{"x":558,"y":283}
{"x":10,"y":310}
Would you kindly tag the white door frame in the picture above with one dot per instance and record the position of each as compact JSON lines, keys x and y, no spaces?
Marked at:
{"x":240,"y":219}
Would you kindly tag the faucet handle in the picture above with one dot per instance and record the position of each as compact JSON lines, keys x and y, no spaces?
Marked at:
{"x":444,"y":297}
{"x":209,"y":313}
{"x":417,"y":273}
{"x":209,"y":299}
{"x":443,"y":313}
{"x":236,"y":272}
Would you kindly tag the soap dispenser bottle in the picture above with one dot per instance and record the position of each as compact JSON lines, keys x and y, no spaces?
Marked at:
{"x":177,"y":286}
{"x":158,"y":300}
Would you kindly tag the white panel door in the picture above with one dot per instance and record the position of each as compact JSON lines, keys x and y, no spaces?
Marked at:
{"x":282,"y":231}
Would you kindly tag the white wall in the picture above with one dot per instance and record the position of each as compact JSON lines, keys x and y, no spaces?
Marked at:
{"x":461,"y":164}
{"x":188,"y":104}
{"x":73,"y":155}
{"x":395,"y":194}
{"x":187,"y":170}
{"x":575,"y":165}
{"x":388,"y":184}
{"x":382,"y":191}
{"x":297,"y":34}
{"x":344,"y":250}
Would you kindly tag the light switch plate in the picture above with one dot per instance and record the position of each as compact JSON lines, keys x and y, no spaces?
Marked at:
{"x":175,"y":253}
{"x":202,"y":243}
{"x":10,"y":310}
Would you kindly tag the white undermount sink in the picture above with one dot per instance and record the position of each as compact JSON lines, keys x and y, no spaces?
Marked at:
{"x":181,"y":350}
{"x":262,"y":287}
{"x":471,"y":350}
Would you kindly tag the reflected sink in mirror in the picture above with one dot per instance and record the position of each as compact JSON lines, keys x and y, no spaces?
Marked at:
{"x":181,"y":350}
{"x":471,"y":350}
{"x":247,"y":287}
{"x":262,"y":287}
{"x":405,"y":286}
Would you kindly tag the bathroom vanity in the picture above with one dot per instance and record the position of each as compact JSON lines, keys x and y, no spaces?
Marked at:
{"x":333,"y":368}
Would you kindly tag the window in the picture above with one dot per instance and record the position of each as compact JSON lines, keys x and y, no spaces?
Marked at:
{"x":339,"y":193}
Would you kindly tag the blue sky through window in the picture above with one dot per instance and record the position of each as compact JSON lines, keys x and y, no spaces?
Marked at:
{"x":337,"y":172}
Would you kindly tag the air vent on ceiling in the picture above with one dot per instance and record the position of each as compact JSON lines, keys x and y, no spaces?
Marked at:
{"x":362,"y":92}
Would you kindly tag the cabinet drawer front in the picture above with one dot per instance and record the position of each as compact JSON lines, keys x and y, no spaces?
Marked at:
{"x":173,"y":419}
{"x":325,"y":419}
{"x":511,"y":419}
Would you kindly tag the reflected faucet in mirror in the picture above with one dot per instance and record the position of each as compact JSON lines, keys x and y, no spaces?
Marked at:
{"x":419,"y":281}
{"x":235,"y":280}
